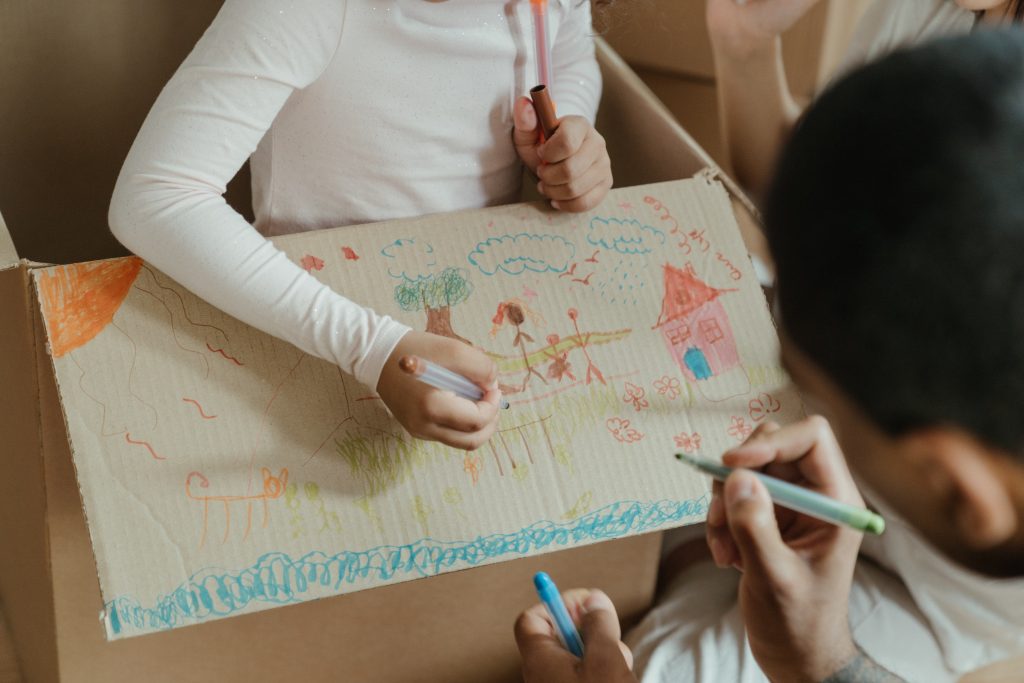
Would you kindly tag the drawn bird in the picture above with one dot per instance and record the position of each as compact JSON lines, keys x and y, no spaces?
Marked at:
{"x":350,"y":254}
{"x":585,"y":280}
{"x":593,"y":259}
{"x":570,"y":272}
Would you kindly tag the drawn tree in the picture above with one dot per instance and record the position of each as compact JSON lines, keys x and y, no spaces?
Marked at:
{"x":436,"y":294}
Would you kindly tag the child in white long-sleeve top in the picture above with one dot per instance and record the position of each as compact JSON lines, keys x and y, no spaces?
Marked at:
{"x":353,"y":112}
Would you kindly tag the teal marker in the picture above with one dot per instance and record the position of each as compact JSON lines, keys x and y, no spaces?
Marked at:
{"x":798,"y":498}
{"x":564,"y":626}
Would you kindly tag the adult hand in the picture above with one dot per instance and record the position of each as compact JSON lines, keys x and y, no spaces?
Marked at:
{"x":797,"y":570}
{"x":574,"y":169}
{"x":605,"y":658}
{"x":429,"y":413}
{"x":739,"y":28}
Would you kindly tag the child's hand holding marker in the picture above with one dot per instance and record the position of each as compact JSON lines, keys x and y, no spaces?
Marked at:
{"x":573,"y":166}
{"x":545,"y":658}
{"x":797,"y":570}
{"x":428,"y":413}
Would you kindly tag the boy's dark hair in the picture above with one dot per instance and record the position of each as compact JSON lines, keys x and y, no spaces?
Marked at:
{"x":896,"y":221}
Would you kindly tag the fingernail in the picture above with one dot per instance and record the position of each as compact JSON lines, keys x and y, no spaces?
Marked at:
{"x":597,"y":600}
{"x":555,"y":205}
{"x":540,"y":188}
{"x":740,"y":489}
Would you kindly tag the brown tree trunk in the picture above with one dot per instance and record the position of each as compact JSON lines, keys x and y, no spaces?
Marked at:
{"x":439,"y":321}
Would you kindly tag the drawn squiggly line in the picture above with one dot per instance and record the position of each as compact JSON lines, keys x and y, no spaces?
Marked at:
{"x":174,"y":329}
{"x":129,"y":439}
{"x":223,"y":353}
{"x":131,"y":375}
{"x":201,"y":411}
{"x":277,"y":578}
{"x":101,"y":404}
{"x":184,"y":309}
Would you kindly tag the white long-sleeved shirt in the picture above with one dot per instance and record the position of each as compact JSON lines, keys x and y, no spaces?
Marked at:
{"x":352,"y":111}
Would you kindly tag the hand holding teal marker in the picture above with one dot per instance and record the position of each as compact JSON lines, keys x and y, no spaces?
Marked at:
{"x":442,"y":378}
{"x":564,"y":626}
{"x":798,"y":498}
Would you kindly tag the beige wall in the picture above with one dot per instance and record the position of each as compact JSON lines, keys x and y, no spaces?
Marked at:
{"x":76,"y":80}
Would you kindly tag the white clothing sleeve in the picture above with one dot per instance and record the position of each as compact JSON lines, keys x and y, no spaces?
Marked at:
{"x":576,"y":75}
{"x":168,"y":206}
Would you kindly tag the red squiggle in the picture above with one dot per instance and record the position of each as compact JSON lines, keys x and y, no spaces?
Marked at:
{"x":129,"y":439}
{"x":201,"y":411}
{"x":221,"y":352}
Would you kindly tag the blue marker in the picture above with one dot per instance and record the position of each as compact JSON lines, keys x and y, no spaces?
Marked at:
{"x":552,"y":599}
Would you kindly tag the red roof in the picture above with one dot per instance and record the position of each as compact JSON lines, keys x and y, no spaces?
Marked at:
{"x":684,"y":293}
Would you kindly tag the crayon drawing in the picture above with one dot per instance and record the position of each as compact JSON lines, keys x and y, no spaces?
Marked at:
{"x":225,"y":471}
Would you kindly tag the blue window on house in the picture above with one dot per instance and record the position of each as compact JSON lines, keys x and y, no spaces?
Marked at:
{"x":697,"y":362}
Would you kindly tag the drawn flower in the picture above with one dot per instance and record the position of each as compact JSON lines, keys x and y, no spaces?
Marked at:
{"x":689,"y":443}
{"x":762,"y":406}
{"x":739,"y":429}
{"x":573,"y":314}
{"x":621,"y":431}
{"x":635,"y":395}
{"x":310,"y":262}
{"x":668,"y":387}
{"x":350,"y":254}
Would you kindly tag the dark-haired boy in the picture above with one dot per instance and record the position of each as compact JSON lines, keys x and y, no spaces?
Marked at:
{"x":897,"y":226}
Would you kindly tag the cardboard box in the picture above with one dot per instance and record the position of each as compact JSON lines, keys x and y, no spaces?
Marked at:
{"x":48,"y":578}
{"x":671,"y":36}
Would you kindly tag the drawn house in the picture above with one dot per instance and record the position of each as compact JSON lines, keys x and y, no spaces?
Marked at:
{"x":697,"y":332}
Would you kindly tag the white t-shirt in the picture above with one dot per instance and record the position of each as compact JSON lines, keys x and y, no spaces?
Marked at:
{"x":353,"y":111}
{"x":888,"y":25}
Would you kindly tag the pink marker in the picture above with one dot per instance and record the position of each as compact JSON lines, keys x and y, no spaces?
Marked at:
{"x":542,"y":35}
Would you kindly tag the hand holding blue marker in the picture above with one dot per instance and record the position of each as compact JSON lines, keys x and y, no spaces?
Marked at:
{"x":564,"y":626}
{"x":442,"y":378}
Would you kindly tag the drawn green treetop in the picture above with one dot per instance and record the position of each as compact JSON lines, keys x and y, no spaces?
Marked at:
{"x":435,"y":294}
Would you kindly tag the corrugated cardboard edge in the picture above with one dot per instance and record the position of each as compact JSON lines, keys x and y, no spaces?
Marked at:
{"x":26,"y":586}
{"x":57,"y":450}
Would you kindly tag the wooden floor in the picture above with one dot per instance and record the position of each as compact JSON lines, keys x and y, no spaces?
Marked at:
{"x":8,"y":662}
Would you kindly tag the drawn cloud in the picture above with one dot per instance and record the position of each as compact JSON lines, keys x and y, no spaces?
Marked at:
{"x":525,"y":252}
{"x":624,"y":236}
{"x":411,"y":260}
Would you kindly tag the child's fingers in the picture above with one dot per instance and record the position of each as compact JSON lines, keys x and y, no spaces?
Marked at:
{"x":471,"y":363}
{"x":586,"y":202}
{"x":576,"y":187}
{"x":466,"y":441}
{"x":572,"y":130}
{"x":455,"y":413}
{"x":564,"y":171}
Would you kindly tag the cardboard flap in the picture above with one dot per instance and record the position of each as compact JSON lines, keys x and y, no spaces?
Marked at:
{"x":8,"y":254}
{"x":25,"y":588}
{"x":223,"y":471}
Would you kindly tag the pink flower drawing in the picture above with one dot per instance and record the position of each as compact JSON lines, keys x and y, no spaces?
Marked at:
{"x":668,"y":387}
{"x":739,"y":429}
{"x":635,"y":395}
{"x":762,"y":406}
{"x":620,"y":429}
{"x":688,"y":443}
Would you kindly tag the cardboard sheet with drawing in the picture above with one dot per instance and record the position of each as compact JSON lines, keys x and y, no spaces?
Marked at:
{"x":223,"y":471}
